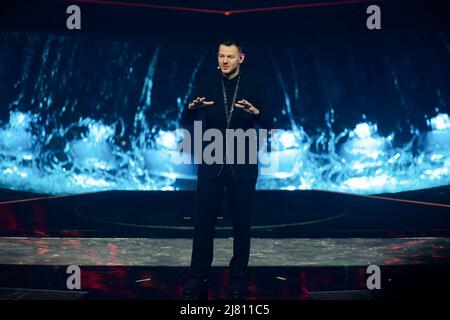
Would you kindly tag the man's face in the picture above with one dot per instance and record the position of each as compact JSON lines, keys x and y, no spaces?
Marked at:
{"x":229,"y":59}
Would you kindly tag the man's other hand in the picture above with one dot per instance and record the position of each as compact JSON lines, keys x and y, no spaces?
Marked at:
{"x":247,"y":106}
{"x":200,"y":102}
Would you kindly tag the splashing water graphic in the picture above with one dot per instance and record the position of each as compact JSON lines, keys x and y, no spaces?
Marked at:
{"x":91,"y":162}
{"x":55,"y":146}
{"x":364,"y":163}
{"x":368,"y":163}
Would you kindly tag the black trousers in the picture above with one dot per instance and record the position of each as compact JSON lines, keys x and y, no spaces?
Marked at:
{"x":209,"y":199}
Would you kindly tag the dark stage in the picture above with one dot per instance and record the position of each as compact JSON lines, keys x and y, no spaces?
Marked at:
{"x":318,"y":246}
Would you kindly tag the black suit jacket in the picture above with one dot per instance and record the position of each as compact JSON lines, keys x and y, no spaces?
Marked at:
{"x":252,"y":89}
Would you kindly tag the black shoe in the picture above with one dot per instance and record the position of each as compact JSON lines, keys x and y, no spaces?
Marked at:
{"x":237,"y":289}
{"x":196,"y":289}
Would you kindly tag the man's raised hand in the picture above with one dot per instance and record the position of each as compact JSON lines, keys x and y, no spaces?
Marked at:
{"x":247,"y":106}
{"x":200,"y":102}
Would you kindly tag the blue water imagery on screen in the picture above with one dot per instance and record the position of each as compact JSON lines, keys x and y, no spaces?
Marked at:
{"x":91,"y":114}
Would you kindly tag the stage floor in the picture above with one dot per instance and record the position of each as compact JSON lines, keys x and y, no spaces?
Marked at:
{"x":265,"y":252}
{"x":277,"y":214}
{"x":306,"y":245}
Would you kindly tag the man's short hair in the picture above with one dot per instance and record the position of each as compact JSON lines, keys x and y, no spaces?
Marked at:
{"x":229,"y":43}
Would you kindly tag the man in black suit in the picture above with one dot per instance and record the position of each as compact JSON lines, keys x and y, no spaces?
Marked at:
{"x":229,"y":100}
